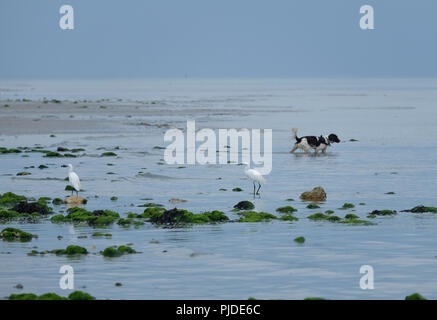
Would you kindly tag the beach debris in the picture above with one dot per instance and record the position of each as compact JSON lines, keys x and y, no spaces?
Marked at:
{"x":317,"y":194}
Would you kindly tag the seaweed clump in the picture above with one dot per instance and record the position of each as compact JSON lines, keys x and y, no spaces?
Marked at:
{"x":112,"y":252}
{"x":286,"y":209}
{"x":10,"y":199}
{"x":422,"y":209}
{"x":253,"y":216}
{"x":178,"y":216}
{"x":80,"y":215}
{"x":76,"y":295}
{"x":13,"y":234}
{"x":244,"y":205}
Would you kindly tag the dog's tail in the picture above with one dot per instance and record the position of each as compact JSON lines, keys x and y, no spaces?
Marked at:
{"x":294,"y":130}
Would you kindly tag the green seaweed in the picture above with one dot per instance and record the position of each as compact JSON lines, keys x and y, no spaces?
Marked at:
{"x":112,"y":252}
{"x":13,"y":234}
{"x":299,"y":240}
{"x":415,"y":296}
{"x":108,"y":154}
{"x":313,"y":206}
{"x":286,"y":209}
{"x":253,"y":216}
{"x":244,"y":205}
{"x":347,"y":206}
{"x":10,"y":199}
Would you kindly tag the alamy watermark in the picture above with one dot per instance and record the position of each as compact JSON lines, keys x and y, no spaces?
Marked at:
{"x":225,"y":149}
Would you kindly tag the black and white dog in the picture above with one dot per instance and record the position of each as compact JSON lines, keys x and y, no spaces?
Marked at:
{"x":318,"y":144}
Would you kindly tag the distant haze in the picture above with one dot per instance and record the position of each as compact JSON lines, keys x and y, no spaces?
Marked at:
{"x":217,"y":38}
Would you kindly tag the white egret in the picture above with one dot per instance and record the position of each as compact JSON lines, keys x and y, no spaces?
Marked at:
{"x":255,"y":176}
{"x":74,"y":179}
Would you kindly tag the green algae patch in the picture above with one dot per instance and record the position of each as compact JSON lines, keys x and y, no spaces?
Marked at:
{"x":10,"y":199}
{"x":80,"y":215}
{"x":53,"y":154}
{"x":39,"y":207}
{"x":314,"y":298}
{"x":80,"y":295}
{"x":320,"y":216}
{"x":383,"y":212}
{"x":422,"y":209}
{"x":178,"y":216}
{"x":76,"y":295}
{"x":347,"y":206}
{"x":299,"y":240}
{"x":415,"y":296}
{"x":108,"y":154}
{"x":313,"y":206}
{"x":350,"y":216}
{"x":329,"y":211}
{"x":114,"y":198}
{"x":358,"y":222}
{"x":100,"y":234}
{"x":57,"y":201}
{"x":286,"y":209}
{"x":112,"y":252}
{"x":150,"y":205}
{"x":288,"y":217}
{"x":252,"y":216}
{"x":237,"y":189}
{"x":244,"y":205}
{"x":6,"y":150}
{"x":13,"y":234}
{"x":70,"y":251}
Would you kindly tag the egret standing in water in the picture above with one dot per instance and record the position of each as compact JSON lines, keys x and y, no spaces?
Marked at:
{"x":74,"y":179}
{"x":255,"y":176}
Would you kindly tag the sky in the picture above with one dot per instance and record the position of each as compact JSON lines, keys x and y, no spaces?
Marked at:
{"x":217,"y":38}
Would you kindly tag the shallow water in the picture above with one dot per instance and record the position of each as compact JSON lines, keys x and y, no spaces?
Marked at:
{"x":392,"y":119}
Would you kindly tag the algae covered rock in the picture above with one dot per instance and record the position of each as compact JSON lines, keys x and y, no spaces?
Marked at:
{"x":112,"y":252}
{"x":10,"y":199}
{"x":253,"y":216}
{"x":383,"y":212}
{"x":422,"y":209}
{"x":317,"y":194}
{"x":80,"y":215}
{"x":76,"y":295}
{"x":178,"y":216}
{"x":31,"y":207}
{"x":13,"y":234}
{"x":415,"y":296}
{"x":299,"y":240}
{"x":286,"y":209}
{"x":244,"y":205}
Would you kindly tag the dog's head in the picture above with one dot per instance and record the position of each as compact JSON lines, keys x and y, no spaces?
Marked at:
{"x":333,"y":138}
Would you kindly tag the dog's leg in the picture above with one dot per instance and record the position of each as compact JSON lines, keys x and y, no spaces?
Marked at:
{"x":324,"y":151}
{"x":294,"y":148}
{"x":306,"y":148}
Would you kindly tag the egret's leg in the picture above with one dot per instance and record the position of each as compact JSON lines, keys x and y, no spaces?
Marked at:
{"x":254,"y":188}
{"x":72,"y":192}
{"x":257,"y":191}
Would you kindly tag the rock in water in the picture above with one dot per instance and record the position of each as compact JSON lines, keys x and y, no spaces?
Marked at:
{"x":174,"y":200}
{"x":317,"y":194}
{"x":75,"y":200}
